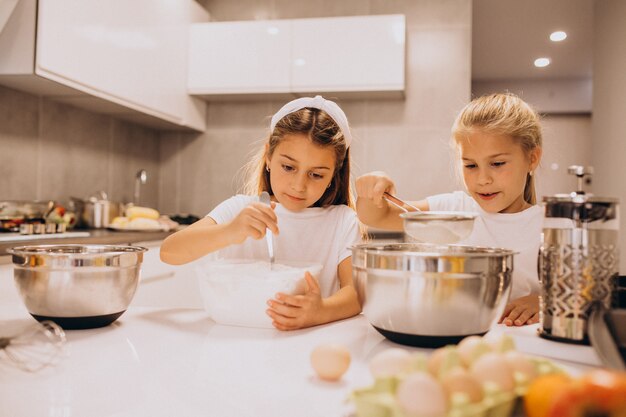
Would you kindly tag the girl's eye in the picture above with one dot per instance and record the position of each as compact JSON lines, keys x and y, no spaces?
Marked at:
{"x":288,"y":168}
{"x":498,"y":163}
{"x":316,"y":176}
{"x":470,"y":166}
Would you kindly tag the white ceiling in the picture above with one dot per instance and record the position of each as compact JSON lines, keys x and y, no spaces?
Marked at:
{"x":508,"y":35}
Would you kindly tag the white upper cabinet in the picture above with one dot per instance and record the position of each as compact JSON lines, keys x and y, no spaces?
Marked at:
{"x":349,"y":54}
{"x":240,"y":57}
{"x":127,"y":58}
{"x":357,"y":56}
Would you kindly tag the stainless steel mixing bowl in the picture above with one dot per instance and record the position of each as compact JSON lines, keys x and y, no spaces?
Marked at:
{"x":430,"y":295}
{"x":77,"y":286}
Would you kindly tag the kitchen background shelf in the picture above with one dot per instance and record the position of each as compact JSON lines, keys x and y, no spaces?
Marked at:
{"x":102,"y":237}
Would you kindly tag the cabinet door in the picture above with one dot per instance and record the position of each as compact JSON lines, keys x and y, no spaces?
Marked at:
{"x":132,"y":53}
{"x":240,"y":57}
{"x":344,"y":54}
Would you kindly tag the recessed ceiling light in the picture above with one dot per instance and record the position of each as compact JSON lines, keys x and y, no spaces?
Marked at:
{"x":542,"y":62}
{"x":558,"y":36}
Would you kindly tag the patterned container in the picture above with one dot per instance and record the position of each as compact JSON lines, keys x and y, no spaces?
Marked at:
{"x":578,"y":262}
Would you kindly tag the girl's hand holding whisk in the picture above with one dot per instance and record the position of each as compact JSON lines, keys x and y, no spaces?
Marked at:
{"x":291,"y":312}
{"x":253,"y":221}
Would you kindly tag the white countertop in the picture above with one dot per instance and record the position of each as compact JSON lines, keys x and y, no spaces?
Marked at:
{"x":177,"y":362}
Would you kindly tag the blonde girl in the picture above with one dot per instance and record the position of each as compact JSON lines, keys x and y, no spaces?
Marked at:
{"x":305,"y":167}
{"x":499,"y":144}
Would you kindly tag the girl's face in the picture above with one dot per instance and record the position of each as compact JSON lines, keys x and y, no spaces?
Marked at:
{"x":495,"y":169}
{"x":300,"y":171}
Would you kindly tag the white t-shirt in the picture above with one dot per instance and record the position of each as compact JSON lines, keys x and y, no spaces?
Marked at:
{"x":320,"y":235}
{"x":520,"y":232}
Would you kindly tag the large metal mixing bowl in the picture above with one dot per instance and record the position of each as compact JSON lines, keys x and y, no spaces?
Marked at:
{"x":77,"y":286}
{"x":429,"y":295}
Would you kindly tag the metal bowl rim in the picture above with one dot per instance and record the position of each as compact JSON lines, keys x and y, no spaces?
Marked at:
{"x":92,"y":250}
{"x":437,"y":252}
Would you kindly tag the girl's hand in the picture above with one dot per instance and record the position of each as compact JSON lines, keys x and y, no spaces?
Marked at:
{"x":372,"y":186}
{"x":253,"y":221}
{"x":291,"y":312}
{"x":521,"y":311}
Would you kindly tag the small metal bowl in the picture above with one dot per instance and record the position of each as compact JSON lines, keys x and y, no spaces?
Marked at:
{"x":77,"y":286}
{"x":431,"y":295}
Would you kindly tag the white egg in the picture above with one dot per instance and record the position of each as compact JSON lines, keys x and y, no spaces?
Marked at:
{"x":390,"y":362}
{"x":493,"y":368}
{"x":420,"y":395}
{"x":330,"y":362}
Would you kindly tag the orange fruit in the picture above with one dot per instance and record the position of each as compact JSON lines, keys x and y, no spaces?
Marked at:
{"x":542,"y":391}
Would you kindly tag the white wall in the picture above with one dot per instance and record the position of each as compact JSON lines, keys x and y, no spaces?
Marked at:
{"x":562,"y":96}
{"x":609,"y":107}
{"x":566,"y":141}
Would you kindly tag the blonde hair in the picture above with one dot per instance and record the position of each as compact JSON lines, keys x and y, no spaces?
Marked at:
{"x":505,"y":114}
{"x":323,"y":131}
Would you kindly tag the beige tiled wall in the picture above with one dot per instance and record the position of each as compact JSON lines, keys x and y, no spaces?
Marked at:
{"x":55,"y":151}
{"x":408,"y":137}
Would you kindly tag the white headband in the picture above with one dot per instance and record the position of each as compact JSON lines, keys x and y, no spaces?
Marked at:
{"x":317,"y":102}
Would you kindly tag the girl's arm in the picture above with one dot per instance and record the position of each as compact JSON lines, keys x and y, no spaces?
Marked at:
{"x":371,"y":206}
{"x":345,"y":302}
{"x":290,"y":312}
{"x":205,"y":236}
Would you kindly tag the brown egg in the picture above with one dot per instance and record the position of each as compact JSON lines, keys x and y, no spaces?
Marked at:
{"x":390,"y":362}
{"x":330,"y":362}
{"x":459,"y":380}
{"x":471,"y":348}
{"x":493,"y":368}
{"x":442,"y":360}
{"x":420,"y":395}
{"x":521,"y":364}
{"x":435,"y":360}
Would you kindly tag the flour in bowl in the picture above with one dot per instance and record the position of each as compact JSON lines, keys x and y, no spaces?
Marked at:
{"x":235,"y":292}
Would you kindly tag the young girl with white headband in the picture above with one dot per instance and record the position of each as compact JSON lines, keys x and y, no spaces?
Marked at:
{"x":305,"y":166}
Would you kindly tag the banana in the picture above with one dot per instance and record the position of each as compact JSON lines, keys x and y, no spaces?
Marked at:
{"x":136,"y":212}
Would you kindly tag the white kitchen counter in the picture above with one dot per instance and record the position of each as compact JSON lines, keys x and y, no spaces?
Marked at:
{"x":177,"y":362}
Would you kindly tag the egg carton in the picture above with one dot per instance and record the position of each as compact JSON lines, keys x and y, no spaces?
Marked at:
{"x":381,"y":398}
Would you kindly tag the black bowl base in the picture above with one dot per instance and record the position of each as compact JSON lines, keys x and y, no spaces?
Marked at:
{"x":75,"y":323}
{"x":545,"y":334}
{"x":423,"y":341}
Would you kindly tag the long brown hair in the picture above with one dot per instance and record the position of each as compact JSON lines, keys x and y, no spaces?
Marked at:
{"x":323,"y":131}
{"x":506,"y":114}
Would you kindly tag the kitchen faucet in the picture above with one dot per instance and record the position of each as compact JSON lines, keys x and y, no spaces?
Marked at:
{"x":140,"y":178}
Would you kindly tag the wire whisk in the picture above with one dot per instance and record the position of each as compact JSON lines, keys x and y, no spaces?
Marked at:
{"x":36,"y":347}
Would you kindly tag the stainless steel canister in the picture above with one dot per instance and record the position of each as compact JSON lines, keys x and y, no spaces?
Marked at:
{"x":578,"y":262}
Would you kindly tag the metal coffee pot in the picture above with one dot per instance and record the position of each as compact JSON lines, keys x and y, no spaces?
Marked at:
{"x":578,"y":260}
